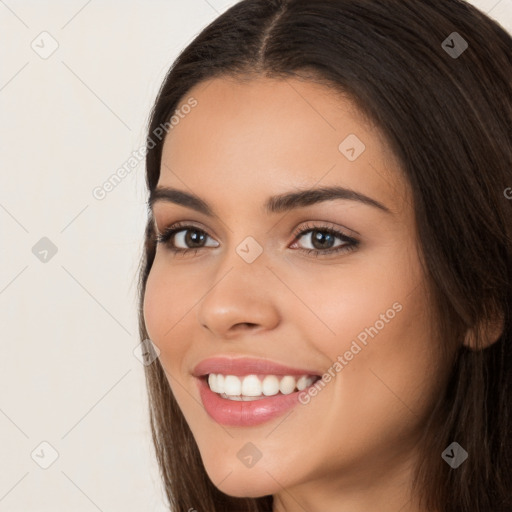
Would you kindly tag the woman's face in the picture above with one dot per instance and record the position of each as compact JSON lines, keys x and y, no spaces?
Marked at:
{"x":249,"y":288}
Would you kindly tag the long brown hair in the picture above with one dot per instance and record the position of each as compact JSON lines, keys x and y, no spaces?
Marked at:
{"x":448,"y":118}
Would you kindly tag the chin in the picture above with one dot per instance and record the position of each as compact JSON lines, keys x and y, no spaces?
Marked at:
{"x":241,"y":482}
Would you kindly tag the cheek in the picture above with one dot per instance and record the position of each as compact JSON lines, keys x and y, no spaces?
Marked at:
{"x":390,"y":372}
{"x":169,"y":299}
{"x":383,"y":338}
{"x":152,"y":306}
{"x":163,"y":303}
{"x":361,"y":306}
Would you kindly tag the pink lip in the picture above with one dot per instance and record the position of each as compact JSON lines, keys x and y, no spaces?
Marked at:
{"x":246,"y":366}
{"x":240,"y":413}
{"x":244,"y":414}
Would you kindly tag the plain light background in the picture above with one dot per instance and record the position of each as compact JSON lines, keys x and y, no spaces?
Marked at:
{"x":69,"y":375}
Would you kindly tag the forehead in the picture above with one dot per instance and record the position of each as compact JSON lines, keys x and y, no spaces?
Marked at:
{"x":264,"y":136}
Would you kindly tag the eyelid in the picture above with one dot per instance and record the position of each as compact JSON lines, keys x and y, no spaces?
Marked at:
{"x":322,"y":224}
{"x":349,"y":243}
{"x":183,"y":224}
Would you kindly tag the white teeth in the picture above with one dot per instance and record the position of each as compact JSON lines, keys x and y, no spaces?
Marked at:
{"x":301,"y":383}
{"x":240,"y":398}
{"x":212,"y":382}
{"x":287,"y":385}
{"x":232,"y":386}
{"x":270,"y":385}
{"x":251,"y":386}
{"x":254,"y":387}
{"x":220,"y":381}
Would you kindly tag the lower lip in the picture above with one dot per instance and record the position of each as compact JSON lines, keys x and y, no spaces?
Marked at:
{"x":236,"y":413}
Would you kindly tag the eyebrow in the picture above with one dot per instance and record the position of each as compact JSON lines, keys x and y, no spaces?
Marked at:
{"x":275,"y":204}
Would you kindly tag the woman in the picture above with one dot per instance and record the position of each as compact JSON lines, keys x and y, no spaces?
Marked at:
{"x":327,"y":264}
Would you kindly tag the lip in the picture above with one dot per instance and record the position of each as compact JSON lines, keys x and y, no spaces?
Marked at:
{"x":246,"y":366}
{"x":245,"y":414}
{"x":239,"y":413}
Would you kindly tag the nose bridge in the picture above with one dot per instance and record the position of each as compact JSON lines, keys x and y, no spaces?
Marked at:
{"x":240,"y":292}
{"x":247,"y":251}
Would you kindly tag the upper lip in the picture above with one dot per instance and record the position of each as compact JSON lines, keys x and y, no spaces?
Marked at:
{"x":246,"y":366}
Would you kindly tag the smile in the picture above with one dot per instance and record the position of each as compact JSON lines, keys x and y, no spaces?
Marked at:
{"x":257,"y":387}
{"x":243,"y":392}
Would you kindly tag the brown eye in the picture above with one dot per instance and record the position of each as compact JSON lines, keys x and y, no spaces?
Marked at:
{"x":183,"y":238}
{"x":323,"y":240}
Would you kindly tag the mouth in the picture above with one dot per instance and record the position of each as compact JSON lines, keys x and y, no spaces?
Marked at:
{"x":244,"y":392}
{"x":244,"y":410}
{"x":253,"y":387}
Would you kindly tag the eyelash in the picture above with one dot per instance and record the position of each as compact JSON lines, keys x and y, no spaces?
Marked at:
{"x":349,"y":245}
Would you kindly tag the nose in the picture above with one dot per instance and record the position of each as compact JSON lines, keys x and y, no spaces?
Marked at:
{"x":239,"y":300}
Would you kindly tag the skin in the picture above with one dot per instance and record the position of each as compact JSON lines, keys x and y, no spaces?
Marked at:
{"x":352,"y":448}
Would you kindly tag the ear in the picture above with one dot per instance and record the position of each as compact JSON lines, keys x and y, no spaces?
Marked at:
{"x":489,"y":332}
